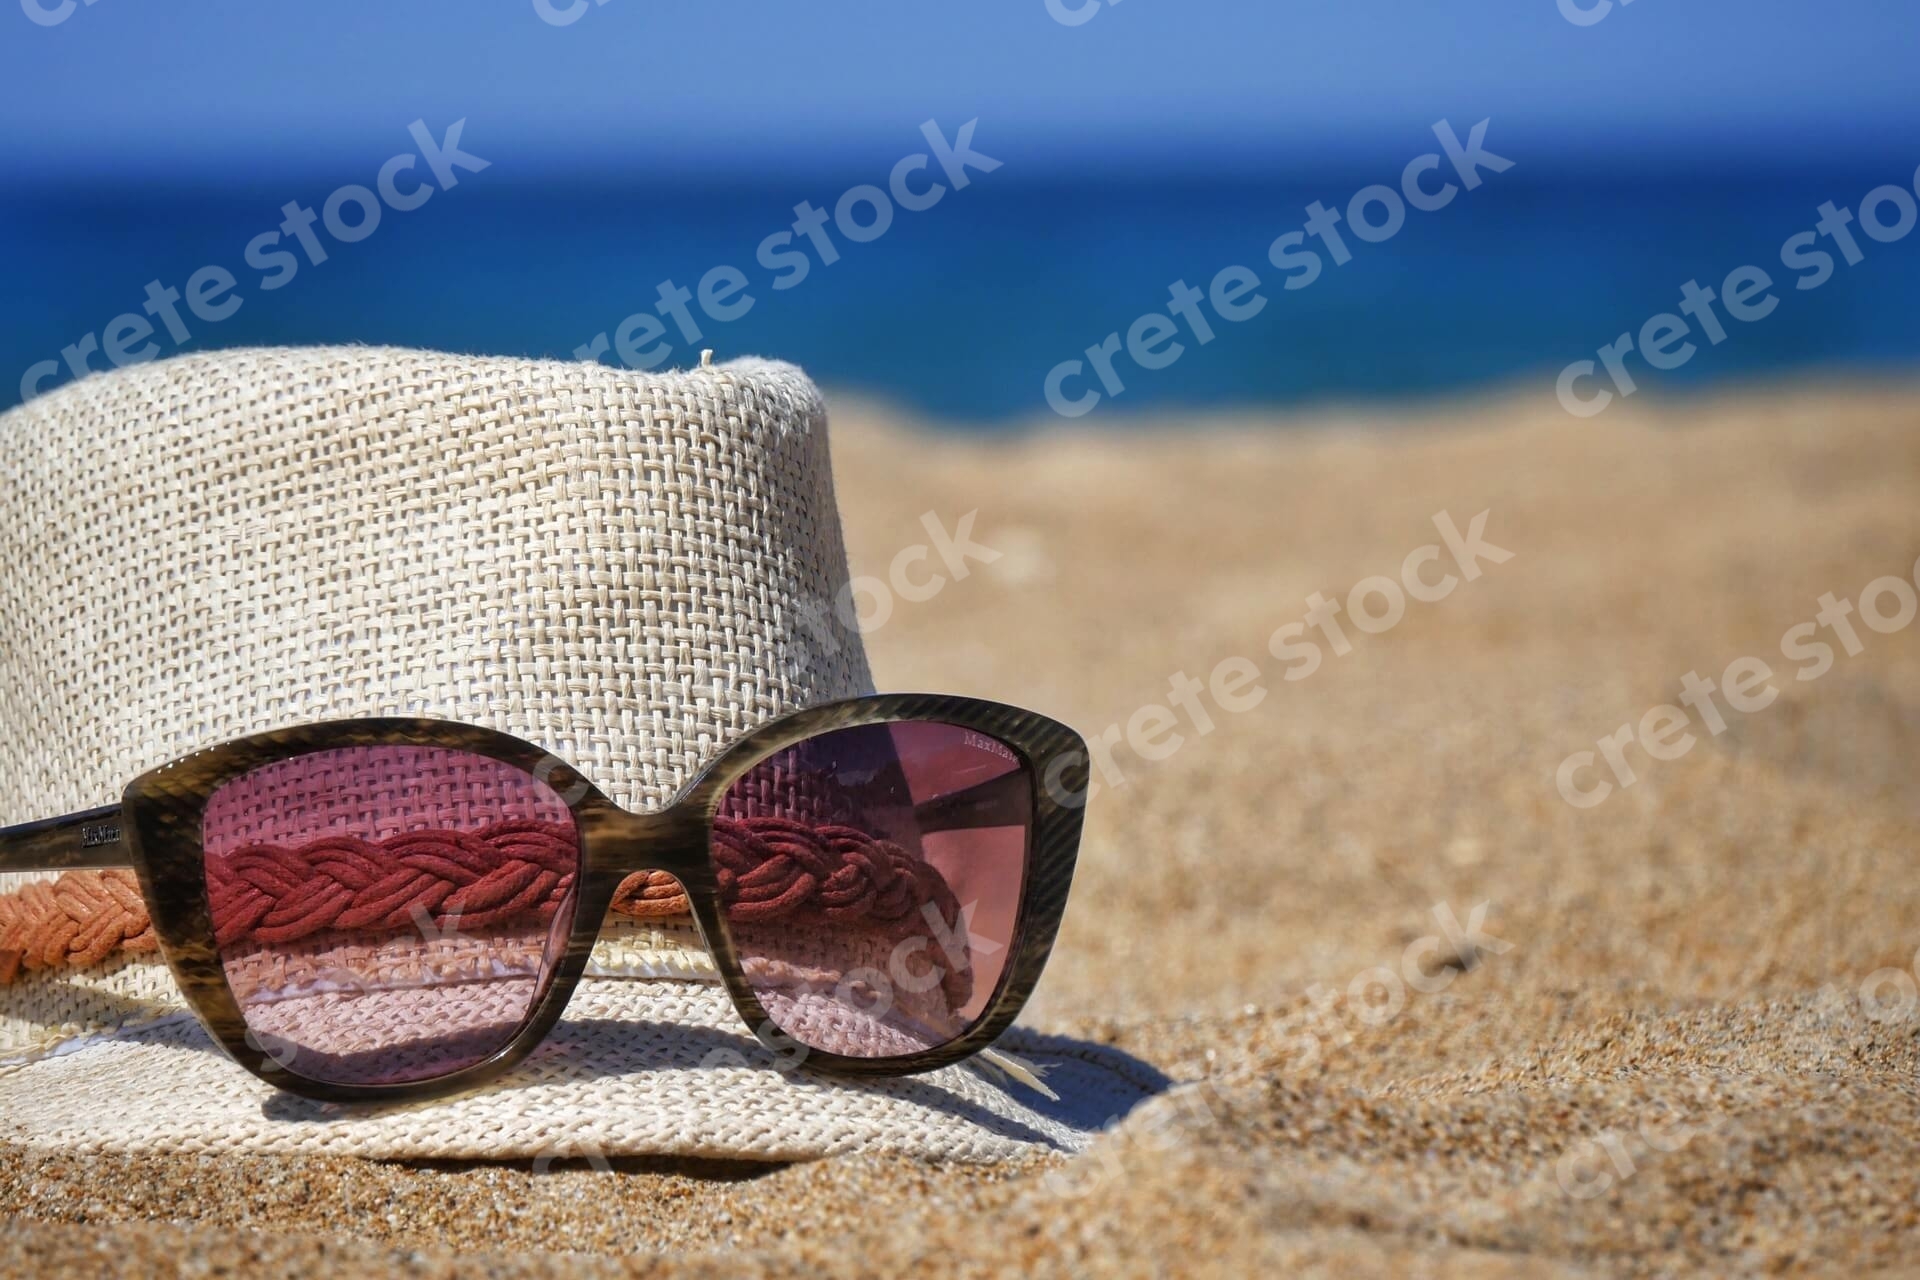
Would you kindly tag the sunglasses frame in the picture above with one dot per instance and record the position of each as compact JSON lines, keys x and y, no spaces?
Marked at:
{"x":159,"y":835}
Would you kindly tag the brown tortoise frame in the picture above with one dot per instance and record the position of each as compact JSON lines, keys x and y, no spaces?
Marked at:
{"x":156,"y":830}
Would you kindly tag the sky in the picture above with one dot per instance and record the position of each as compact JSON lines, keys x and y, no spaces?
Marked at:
{"x":637,"y":141}
{"x":226,"y":91}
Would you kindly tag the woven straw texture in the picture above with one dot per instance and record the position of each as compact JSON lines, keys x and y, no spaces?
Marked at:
{"x":615,"y":567}
{"x":636,"y":1068}
{"x":628,"y":570}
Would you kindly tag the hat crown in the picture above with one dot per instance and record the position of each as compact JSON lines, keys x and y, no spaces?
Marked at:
{"x":630,"y":570}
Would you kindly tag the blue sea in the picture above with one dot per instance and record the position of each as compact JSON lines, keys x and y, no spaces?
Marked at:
{"x":958,"y":312}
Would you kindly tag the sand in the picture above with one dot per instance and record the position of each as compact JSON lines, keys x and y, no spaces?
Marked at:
{"x":1663,"y":1053}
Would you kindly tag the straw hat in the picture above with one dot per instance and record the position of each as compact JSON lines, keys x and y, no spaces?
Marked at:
{"x":627,"y":570}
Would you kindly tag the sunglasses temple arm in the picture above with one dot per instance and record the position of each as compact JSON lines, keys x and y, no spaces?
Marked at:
{"x":1004,"y":801}
{"x":88,"y":841}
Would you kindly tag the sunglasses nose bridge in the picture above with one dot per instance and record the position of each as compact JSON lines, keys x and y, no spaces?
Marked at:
{"x":629,"y":843}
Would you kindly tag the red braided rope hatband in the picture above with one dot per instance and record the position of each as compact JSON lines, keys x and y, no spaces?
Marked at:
{"x":769,"y":869}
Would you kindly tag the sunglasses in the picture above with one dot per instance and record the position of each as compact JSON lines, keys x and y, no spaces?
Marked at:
{"x":402,"y":908}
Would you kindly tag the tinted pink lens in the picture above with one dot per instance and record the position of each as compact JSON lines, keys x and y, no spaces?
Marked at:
{"x":388,"y":914}
{"x":872,"y":881}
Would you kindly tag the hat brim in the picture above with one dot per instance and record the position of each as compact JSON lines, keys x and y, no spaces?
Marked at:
{"x":658,"y":1067}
